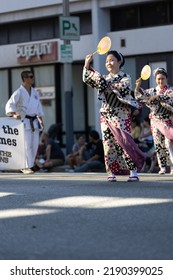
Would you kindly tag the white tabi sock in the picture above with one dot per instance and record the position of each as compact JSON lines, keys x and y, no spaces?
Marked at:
{"x":163,"y":169}
{"x":133,"y":173}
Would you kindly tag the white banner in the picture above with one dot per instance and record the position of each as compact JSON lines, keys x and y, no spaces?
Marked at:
{"x":12,"y":149}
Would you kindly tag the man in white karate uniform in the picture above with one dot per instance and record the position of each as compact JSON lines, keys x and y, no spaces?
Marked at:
{"x":25,"y":104}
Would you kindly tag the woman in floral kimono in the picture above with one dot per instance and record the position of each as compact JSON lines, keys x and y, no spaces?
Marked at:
{"x":160,"y":102}
{"x":114,"y":89}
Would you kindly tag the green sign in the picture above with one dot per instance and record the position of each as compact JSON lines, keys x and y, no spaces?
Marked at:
{"x":69,"y":28}
{"x":66,"y":53}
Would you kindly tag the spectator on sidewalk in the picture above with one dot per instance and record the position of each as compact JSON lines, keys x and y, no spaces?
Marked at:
{"x":145,"y":138}
{"x":135,"y":128}
{"x":94,"y":153}
{"x":52,"y":153}
{"x":73,"y":159}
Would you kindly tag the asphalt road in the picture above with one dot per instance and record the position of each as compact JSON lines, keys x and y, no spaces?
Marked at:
{"x":70,"y":216}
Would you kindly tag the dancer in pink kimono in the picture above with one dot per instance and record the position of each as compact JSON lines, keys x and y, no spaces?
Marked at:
{"x":25,"y":104}
{"x":114,"y":90}
{"x":160,"y":101}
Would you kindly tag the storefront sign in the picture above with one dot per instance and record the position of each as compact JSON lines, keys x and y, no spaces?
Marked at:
{"x":12,"y":152}
{"x":46,"y":92}
{"x":37,"y":52}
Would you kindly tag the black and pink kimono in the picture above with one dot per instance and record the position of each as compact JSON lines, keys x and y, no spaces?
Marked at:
{"x":161,"y":121}
{"x":120,"y":150}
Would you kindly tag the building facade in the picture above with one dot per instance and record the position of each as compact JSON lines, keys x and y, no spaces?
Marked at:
{"x":31,"y":38}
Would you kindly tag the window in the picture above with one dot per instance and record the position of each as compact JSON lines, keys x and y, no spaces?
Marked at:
{"x":3,"y":34}
{"x":85,"y":23}
{"x":44,"y":77}
{"x":18,"y":32}
{"x":124,"y":18}
{"x":171,"y":12}
{"x":153,"y":14}
{"x":42,"y":29}
{"x":4,"y":91}
{"x":141,"y":15}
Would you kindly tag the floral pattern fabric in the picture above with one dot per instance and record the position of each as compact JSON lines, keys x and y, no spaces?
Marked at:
{"x":115,"y":112}
{"x":161,"y":119}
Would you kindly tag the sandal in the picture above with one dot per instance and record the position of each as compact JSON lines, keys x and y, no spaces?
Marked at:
{"x":133,"y":179}
{"x":161,"y":172}
{"x":27,"y":171}
{"x":111,"y":178}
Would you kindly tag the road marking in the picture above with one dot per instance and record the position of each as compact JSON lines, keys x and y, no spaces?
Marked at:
{"x":99,"y":202}
{"x":24,"y":212}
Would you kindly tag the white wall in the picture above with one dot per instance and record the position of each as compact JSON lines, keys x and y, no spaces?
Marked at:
{"x":144,"y":40}
{"x":17,"y":5}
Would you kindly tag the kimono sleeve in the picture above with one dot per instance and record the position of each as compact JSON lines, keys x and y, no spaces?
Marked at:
{"x":143,"y":95}
{"x":94,"y":79}
{"x":166,"y":101}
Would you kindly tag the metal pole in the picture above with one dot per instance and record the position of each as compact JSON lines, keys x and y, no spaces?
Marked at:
{"x":68,"y":92}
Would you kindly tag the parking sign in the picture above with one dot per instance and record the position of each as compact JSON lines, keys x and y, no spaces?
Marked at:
{"x":69,"y":28}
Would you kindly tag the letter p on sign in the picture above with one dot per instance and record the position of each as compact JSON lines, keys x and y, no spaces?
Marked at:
{"x":66,"y":26}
